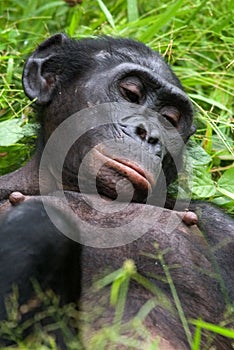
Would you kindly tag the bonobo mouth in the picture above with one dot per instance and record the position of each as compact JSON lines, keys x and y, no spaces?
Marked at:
{"x":134,"y":172}
{"x":141,"y":179}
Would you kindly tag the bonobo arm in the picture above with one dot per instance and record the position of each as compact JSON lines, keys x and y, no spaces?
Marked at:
{"x":24,"y":179}
{"x":32,"y":247}
{"x":214,"y":221}
{"x":218,"y":228}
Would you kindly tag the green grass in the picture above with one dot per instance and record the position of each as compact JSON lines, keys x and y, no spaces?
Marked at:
{"x":195,"y":37}
{"x":132,"y":334}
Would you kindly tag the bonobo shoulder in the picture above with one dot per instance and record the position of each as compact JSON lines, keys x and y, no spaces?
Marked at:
{"x":220,"y":218}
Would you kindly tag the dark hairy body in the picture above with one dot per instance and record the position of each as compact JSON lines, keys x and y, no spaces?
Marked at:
{"x":150,"y":115}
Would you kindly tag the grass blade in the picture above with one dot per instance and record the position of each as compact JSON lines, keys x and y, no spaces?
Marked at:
{"x":229,"y":333}
{"x":106,"y":13}
{"x":162,"y":20}
{"x":133,"y":13}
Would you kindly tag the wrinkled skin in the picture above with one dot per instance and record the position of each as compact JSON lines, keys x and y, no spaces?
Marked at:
{"x":151,"y":117}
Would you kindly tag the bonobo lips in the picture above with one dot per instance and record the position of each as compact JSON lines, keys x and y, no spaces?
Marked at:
{"x":141,"y":179}
{"x":134,"y":171}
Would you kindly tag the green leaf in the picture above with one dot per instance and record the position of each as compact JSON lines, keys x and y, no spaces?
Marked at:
{"x":217,"y":144}
{"x":215,"y":329}
{"x":162,"y":20}
{"x":106,"y":13}
{"x":201,"y":183}
{"x":13,"y":157}
{"x":146,"y":308}
{"x":10,"y":70}
{"x":109,"y":278}
{"x":196,"y":155}
{"x":197,"y":339}
{"x":115,"y":290}
{"x":226,"y":180}
{"x":10,"y":132}
{"x":50,"y":5}
{"x":132,"y":10}
{"x":223,"y":201}
{"x":226,"y":183}
{"x":226,"y":193}
{"x":30,"y":129}
{"x":121,"y":300}
{"x":75,"y":21}
{"x":211,"y":102}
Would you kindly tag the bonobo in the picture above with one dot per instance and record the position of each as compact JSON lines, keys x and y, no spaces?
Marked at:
{"x":114,"y":123}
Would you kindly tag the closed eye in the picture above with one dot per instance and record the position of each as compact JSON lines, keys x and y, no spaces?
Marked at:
{"x":132,"y":90}
{"x":172,"y":114}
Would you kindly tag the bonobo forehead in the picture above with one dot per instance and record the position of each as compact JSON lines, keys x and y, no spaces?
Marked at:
{"x":107,"y":52}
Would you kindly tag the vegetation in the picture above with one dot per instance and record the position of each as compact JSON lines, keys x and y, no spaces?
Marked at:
{"x":195,"y":37}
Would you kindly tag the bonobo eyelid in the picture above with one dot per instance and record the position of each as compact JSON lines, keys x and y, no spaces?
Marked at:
{"x":131,"y":88}
{"x":172,"y":114}
{"x":166,"y":123}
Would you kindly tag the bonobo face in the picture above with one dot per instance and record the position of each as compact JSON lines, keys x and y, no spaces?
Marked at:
{"x":136,"y":110}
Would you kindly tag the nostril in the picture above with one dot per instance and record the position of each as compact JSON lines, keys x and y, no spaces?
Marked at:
{"x":141,"y":132}
{"x":152,"y":140}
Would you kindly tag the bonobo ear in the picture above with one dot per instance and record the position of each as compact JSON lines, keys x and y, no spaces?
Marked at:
{"x":41,"y":72}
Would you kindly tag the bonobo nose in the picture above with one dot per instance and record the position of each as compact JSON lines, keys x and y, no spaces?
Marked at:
{"x":146,"y":135}
{"x":149,"y":136}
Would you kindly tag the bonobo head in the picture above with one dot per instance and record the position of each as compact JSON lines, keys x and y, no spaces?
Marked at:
{"x":124,"y":81}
